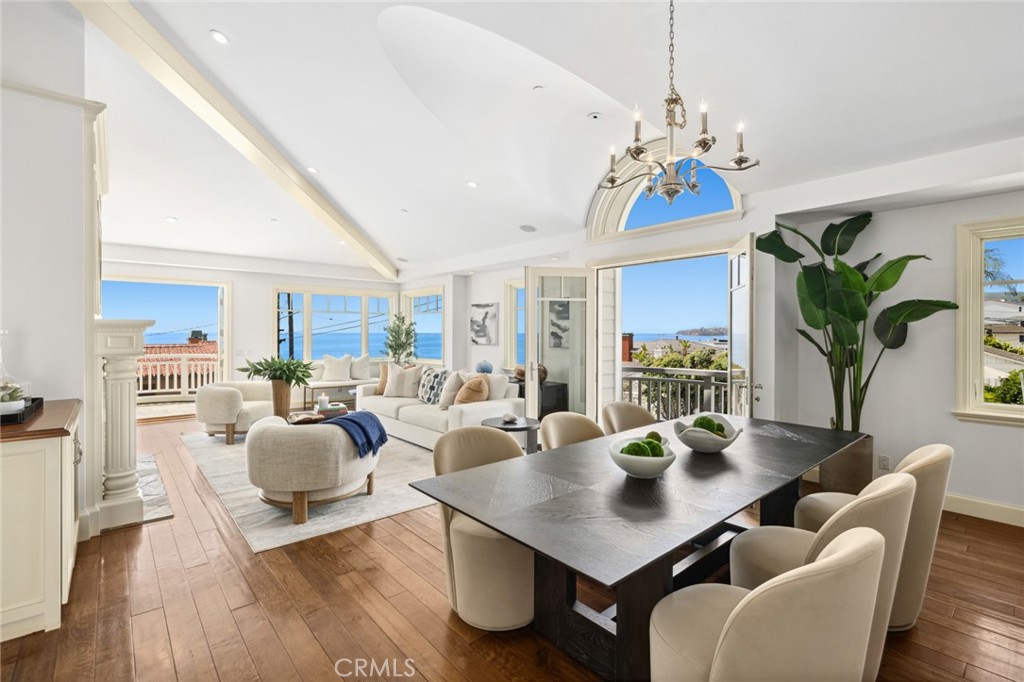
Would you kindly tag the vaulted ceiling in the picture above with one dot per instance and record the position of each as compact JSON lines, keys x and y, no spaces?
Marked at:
{"x":398,"y":106}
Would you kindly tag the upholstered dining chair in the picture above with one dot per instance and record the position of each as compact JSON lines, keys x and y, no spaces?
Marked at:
{"x":490,"y":577}
{"x":809,"y":624}
{"x":622,"y":416}
{"x":760,"y":554}
{"x":929,"y":465}
{"x":565,"y":428}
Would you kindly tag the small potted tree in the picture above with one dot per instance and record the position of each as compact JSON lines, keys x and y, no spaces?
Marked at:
{"x":835,"y":298}
{"x":282,"y":373}
{"x":400,"y":340}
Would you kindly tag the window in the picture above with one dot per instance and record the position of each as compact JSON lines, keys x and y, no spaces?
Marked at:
{"x":990,"y":355}
{"x":515,"y":324}
{"x":426,"y":309}
{"x":715,"y":197}
{"x":311,"y":324}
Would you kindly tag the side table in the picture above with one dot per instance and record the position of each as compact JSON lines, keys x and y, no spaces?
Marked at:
{"x":523,"y":424}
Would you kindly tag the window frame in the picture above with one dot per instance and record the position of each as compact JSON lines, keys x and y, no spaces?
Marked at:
{"x":511,"y":330}
{"x":406,"y":306}
{"x":970,"y":317}
{"x":307,"y":314}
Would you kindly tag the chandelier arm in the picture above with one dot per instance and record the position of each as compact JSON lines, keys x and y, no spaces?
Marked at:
{"x":619,"y":183}
{"x":756,"y":162}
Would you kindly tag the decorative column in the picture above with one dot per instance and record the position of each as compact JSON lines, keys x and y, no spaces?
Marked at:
{"x":119,"y":346}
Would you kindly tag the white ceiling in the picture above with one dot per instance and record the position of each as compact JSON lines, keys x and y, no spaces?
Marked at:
{"x":398,"y":105}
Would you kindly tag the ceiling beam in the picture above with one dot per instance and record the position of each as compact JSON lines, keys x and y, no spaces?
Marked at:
{"x":140,"y":39}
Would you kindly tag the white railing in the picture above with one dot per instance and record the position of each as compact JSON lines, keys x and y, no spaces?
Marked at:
{"x":174,"y":378}
{"x":670,"y":393}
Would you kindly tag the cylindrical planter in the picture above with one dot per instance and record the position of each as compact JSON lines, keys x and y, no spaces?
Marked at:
{"x":282,"y":398}
{"x":850,"y":470}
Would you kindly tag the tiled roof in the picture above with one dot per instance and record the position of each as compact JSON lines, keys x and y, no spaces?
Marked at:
{"x":1004,"y":328}
{"x":147,"y":366}
{"x":1009,"y":355}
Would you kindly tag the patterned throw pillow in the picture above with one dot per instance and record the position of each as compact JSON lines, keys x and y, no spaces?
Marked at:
{"x":431,"y":384}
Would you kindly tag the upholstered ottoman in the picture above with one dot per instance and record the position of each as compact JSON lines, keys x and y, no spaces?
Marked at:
{"x":303,"y":466}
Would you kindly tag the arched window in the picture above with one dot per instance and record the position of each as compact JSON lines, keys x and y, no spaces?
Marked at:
{"x":619,"y":212}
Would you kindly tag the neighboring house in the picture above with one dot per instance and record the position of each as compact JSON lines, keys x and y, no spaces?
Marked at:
{"x":1003,"y":312}
{"x":999,"y":363}
{"x":1008,"y":333}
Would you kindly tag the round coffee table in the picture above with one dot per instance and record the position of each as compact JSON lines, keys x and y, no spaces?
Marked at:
{"x":523,"y":424}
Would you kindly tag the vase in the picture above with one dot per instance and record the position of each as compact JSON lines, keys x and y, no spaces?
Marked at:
{"x":282,"y":393}
{"x":849,"y":470}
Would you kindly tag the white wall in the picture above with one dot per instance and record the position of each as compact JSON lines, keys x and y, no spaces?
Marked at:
{"x":489,"y":287}
{"x":911,"y":397}
{"x":42,"y":267}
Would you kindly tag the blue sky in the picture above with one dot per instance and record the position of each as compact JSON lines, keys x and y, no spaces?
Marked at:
{"x":177,"y":308}
{"x":714,"y":197}
{"x":1011,"y":251}
{"x":674,"y":295}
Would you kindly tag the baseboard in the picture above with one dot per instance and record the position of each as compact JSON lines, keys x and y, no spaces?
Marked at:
{"x":985,"y":509}
{"x":88,"y":523}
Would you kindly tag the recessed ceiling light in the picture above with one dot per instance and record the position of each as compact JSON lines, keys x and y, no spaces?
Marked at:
{"x":554,"y":258}
{"x":273,"y":220}
{"x":527,"y":228}
{"x":538,"y":88}
{"x":405,"y":210}
{"x":402,"y":260}
{"x":171,"y":219}
{"x":341,"y":241}
{"x":312,"y":170}
{"x":471,"y":272}
{"x":594,"y":115}
{"x":471,"y":184}
{"x":219,"y":37}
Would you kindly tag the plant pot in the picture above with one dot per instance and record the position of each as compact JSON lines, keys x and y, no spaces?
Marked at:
{"x":850,"y":470}
{"x":12,"y":406}
{"x":282,"y":398}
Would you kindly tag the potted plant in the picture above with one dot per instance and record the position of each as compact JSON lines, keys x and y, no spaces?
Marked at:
{"x":400,"y":339}
{"x":282,"y":373}
{"x":12,"y":398}
{"x":835,"y":298}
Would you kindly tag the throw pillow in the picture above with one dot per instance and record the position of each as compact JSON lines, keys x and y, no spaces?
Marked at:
{"x":337,"y":369}
{"x":382,"y":384}
{"x":431,"y":384}
{"x":360,"y":367}
{"x":402,"y":382}
{"x":450,"y":389}
{"x":473,"y":391}
{"x":496,"y":383}
{"x":317,"y":371}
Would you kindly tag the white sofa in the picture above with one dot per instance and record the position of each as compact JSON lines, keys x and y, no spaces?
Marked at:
{"x":417,"y":422}
{"x":231,"y":407}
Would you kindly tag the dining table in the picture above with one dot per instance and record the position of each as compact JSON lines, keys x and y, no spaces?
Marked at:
{"x":583,"y":516}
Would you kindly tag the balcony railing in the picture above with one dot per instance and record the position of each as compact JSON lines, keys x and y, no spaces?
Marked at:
{"x":174,"y":378}
{"x":670,"y":393}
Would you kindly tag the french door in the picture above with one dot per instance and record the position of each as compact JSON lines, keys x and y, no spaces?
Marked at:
{"x":741,"y":325}
{"x":561,"y":336}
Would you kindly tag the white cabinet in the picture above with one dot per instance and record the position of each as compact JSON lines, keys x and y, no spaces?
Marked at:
{"x":38,"y":518}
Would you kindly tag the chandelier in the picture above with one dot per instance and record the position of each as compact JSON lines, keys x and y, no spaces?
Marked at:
{"x":668,"y":178}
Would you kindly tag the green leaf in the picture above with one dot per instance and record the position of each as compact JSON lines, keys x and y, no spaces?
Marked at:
{"x":838,"y":238}
{"x":780,"y":226}
{"x":892,"y":323}
{"x":863,"y":265}
{"x":852,"y":278}
{"x":886,"y":277}
{"x":774,"y":244}
{"x":819,"y":279}
{"x":810,"y":338}
{"x":844,"y":332}
{"x":848,"y":303}
{"x":814,"y":317}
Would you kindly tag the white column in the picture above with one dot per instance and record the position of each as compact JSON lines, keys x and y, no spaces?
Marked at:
{"x":119,"y":345}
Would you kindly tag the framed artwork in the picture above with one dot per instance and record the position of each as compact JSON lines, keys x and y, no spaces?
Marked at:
{"x":558,"y":324}
{"x":483,"y":324}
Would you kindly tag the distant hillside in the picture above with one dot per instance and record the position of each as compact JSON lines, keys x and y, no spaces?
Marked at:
{"x":704,"y":331}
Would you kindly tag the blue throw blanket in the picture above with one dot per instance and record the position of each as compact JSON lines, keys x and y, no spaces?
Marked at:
{"x":364,"y":429}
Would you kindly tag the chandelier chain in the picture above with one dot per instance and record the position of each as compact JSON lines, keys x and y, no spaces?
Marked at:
{"x":672,"y":48}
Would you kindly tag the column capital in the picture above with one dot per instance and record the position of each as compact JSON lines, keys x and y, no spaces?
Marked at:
{"x":120,"y":337}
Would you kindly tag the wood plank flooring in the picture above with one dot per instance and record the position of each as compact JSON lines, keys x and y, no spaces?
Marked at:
{"x":186,"y":599}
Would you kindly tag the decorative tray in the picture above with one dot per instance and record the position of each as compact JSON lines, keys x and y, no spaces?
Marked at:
{"x":23,"y":416}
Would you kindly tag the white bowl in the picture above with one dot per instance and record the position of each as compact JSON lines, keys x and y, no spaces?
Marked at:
{"x":702,"y":440}
{"x":641,"y":467}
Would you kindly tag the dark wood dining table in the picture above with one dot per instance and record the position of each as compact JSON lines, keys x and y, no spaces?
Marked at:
{"x":582,"y":515}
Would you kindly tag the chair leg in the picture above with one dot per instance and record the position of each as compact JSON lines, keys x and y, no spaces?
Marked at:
{"x":369,"y":484}
{"x":229,"y":434}
{"x":300,"y":506}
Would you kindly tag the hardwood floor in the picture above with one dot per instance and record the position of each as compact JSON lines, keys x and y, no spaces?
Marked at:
{"x":187,"y":599}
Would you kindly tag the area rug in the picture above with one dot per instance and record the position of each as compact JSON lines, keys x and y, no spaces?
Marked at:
{"x":155,"y":505}
{"x":265,"y":527}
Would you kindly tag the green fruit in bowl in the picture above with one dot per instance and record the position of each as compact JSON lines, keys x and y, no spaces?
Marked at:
{"x":637,"y":449}
{"x":653,"y":435}
{"x":706,"y":423}
{"x":655,"y":447}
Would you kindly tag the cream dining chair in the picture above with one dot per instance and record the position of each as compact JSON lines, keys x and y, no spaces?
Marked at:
{"x":809,"y":624}
{"x":565,"y":428}
{"x":760,"y":554}
{"x":622,"y":416}
{"x":490,"y":577}
{"x":929,"y":465}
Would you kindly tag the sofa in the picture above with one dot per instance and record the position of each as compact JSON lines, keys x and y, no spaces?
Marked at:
{"x":298,"y":467}
{"x":418,"y":422}
{"x":336,"y":390}
{"x":231,"y":407}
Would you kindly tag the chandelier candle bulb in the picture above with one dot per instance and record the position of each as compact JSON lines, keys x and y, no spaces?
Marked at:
{"x":611,"y":160}
{"x":636,"y":126}
{"x":703,"y":117}
{"x":739,"y":136}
